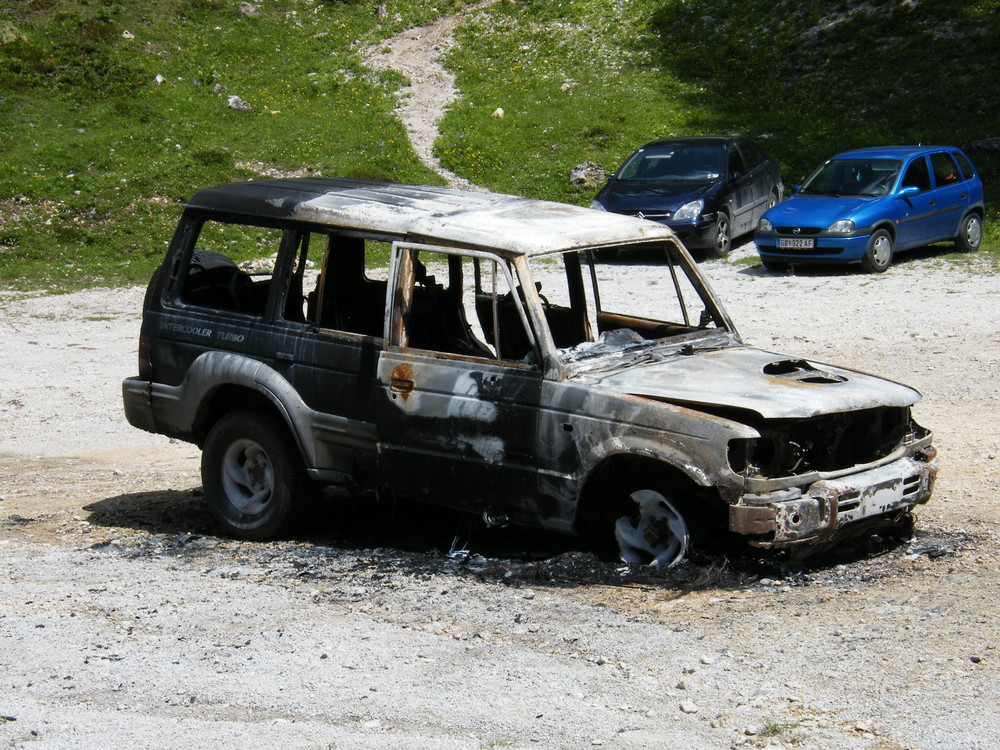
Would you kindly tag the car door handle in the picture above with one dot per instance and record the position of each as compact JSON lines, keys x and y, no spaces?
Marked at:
{"x":401,"y":385}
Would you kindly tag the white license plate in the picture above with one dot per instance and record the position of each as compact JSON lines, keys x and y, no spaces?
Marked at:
{"x":794,"y":242}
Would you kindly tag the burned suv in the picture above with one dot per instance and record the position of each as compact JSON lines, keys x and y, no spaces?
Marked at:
{"x":496,"y":367}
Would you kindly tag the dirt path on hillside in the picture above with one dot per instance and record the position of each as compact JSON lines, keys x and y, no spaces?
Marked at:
{"x":417,"y":54}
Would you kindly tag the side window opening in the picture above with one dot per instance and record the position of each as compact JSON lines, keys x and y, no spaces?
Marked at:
{"x":917,"y":175}
{"x":344,"y":297}
{"x":462,"y":304}
{"x":736,"y":163}
{"x":214,"y":278}
{"x":967,"y":171}
{"x":945,"y":170}
{"x":500,"y":311}
{"x":754,"y":158}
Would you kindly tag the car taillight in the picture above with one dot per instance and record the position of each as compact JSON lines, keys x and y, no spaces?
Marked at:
{"x":145,"y":364}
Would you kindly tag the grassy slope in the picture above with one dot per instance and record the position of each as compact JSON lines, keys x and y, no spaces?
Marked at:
{"x":95,"y":154}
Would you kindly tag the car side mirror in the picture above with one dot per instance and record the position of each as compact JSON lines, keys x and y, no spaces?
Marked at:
{"x":908,"y":192}
{"x":796,"y":188}
{"x":735,"y":176}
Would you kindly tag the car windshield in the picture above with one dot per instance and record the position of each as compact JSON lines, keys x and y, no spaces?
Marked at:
{"x":839,"y":177}
{"x":674,"y":163}
{"x":599,"y":321}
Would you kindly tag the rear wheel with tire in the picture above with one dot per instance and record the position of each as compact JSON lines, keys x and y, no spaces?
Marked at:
{"x":253,"y":475}
{"x":970,"y":236}
{"x":878,"y":253}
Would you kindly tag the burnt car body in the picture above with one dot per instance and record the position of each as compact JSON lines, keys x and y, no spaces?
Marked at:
{"x":496,"y":367}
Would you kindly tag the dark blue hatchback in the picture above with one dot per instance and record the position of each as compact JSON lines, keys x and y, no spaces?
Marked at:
{"x":707,"y":189}
{"x":864,"y":205}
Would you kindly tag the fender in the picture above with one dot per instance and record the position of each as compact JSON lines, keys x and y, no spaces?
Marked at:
{"x":182,"y":410}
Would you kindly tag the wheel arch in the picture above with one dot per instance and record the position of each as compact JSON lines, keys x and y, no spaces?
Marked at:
{"x":594,"y":504}
{"x":888,"y":226}
{"x":227,"y":382}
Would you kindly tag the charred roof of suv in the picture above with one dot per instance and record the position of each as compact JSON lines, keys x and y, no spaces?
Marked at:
{"x":506,"y":223}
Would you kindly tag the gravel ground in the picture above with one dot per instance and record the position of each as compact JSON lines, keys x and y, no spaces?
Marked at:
{"x":125,"y":620}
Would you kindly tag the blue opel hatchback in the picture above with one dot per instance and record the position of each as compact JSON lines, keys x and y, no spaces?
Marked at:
{"x":864,"y":205}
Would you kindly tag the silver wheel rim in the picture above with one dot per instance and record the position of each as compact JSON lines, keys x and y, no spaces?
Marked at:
{"x":247,"y":477}
{"x":882,"y":250}
{"x":973,"y":231}
{"x":659,"y":536}
{"x":722,"y":235}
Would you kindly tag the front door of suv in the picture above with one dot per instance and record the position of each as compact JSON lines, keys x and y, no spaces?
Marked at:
{"x":457,"y":423}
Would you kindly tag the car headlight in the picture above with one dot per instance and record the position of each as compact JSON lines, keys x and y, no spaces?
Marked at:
{"x":764,"y":225}
{"x":841,"y":227}
{"x":689,"y":211}
{"x":598,"y":206}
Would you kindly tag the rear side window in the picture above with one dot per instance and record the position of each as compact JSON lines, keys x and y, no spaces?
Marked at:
{"x":752,"y":154}
{"x":945,"y":169}
{"x":214,"y":279}
{"x":967,"y":171}
{"x":736,"y":163}
{"x":917,"y":175}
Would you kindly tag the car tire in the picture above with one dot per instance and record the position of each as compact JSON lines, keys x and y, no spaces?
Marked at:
{"x":651,"y":528}
{"x":773,"y":200}
{"x":970,"y":235}
{"x":253,"y":475}
{"x":878,"y":253}
{"x":723,"y":237}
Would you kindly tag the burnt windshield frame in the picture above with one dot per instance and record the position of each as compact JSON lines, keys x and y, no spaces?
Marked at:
{"x":676,"y":257}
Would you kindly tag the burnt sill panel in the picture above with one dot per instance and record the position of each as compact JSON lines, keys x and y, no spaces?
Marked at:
{"x":828,"y":442}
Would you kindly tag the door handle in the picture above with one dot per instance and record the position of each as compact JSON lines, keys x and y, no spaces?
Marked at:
{"x":401,"y":385}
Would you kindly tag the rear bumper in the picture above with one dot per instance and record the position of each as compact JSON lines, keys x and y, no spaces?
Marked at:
{"x":827,"y":507}
{"x":137,"y":399}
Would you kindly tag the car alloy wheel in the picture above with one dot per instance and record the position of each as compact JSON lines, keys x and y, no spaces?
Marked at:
{"x":657,"y":534}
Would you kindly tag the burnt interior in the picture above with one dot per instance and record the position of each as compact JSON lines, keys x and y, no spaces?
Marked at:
{"x":828,"y":442}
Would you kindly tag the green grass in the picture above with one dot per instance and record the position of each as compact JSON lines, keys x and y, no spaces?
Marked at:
{"x":113,"y":113}
{"x":104,"y":135}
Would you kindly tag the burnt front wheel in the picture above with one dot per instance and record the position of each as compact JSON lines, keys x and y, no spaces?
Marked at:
{"x":653,"y":530}
{"x":253,"y":476}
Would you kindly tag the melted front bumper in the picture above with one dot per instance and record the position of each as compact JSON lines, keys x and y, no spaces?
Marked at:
{"x":822,"y":509}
